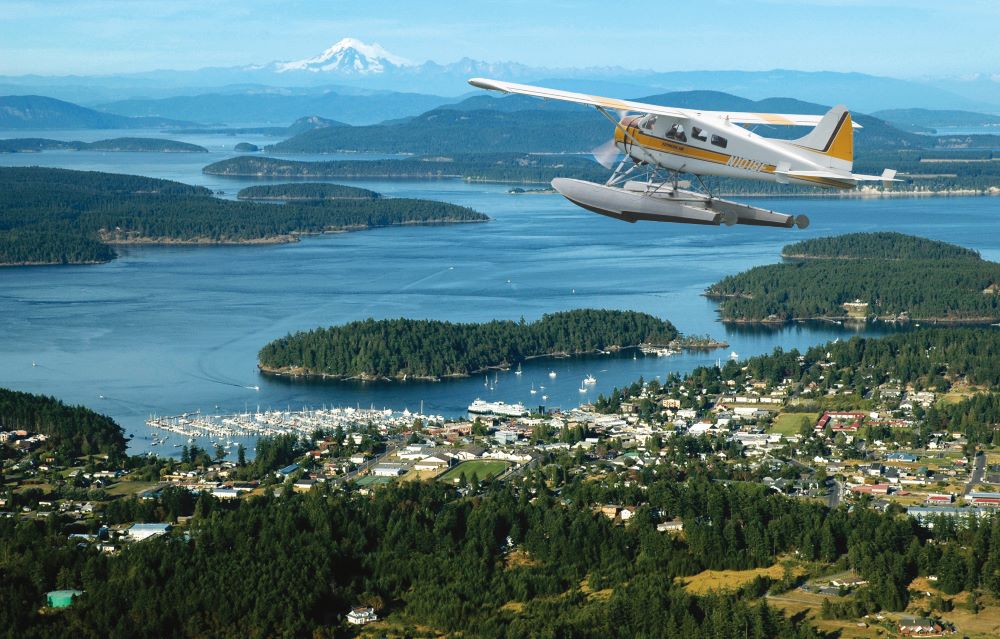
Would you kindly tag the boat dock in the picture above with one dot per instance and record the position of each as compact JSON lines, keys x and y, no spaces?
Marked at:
{"x":273,"y":422}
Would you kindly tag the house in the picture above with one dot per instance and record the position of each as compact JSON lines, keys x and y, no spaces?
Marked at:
{"x":983,"y":499}
{"x":940,"y":498}
{"x":901,"y":457}
{"x":918,"y":627}
{"x":840,"y":421}
{"x":140,"y":532}
{"x":287,"y":470}
{"x":303,"y":485}
{"x":359,"y":458}
{"x":675,"y":525}
{"x":361,"y":616}
{"x":505,"y":436}
{"x":432,"y":462}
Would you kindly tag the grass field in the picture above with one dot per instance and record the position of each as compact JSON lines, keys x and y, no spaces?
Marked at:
{"x":708,"y":580}
{"x":486,"y":469}
{"x":788,"y":423}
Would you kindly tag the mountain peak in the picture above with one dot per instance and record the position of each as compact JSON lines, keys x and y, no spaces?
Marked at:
{"x":349,"y":55}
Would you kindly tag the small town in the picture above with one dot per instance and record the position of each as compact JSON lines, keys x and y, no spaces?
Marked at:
{"x":729,"y":425}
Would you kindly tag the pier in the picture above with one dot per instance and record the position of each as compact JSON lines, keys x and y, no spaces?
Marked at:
{"x":274,"y":422}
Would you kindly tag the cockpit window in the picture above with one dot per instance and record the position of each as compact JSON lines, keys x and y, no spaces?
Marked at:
{"x":718,"y":140}
{"x":698,"y":134}
{"x":676,"y":132}
{"x":649,"y":122}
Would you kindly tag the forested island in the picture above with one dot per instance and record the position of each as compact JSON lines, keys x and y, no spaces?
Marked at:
{"x":888,"y":276}
{"x":306,"y":192}
{"x":57,"y":216}
{"x":133,"y":145}
{"x":524,"y":168}
{"x":429,"y":349}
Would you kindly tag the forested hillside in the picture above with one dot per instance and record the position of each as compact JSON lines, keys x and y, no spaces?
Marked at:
{"x":880,"y":245}
{"x":56,"y":216}
{"x":142,"y":145}
{"x":306,"y":191}
{"x":294,"y":565}
{"x":894,"y":275}
{"x":72,"y":430}
{"x":427,"y":348}
{"x":488,"y":167}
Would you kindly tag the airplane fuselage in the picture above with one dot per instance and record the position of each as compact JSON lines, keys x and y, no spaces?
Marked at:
{"x":706,"y":147}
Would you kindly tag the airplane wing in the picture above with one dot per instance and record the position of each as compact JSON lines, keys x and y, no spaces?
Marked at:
{"x":579,"y":98}
{"x":774,"y":119}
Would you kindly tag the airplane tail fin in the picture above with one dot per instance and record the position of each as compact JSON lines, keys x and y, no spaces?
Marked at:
{"x":832,"y":140}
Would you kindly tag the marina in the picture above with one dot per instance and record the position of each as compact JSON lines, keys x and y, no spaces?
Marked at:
{"x":288,"y":422}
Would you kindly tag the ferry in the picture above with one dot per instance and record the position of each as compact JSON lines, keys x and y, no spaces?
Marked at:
{"x":479,"y":407}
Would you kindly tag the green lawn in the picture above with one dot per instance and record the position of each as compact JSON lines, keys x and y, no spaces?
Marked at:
{"x":788,"y":423}
{"x":485,"y":469}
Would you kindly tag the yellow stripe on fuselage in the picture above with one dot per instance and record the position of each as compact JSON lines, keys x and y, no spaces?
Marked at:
{"x":684,"y":150}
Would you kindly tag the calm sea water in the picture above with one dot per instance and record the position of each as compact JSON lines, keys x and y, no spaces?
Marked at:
{"x":167,"y":330}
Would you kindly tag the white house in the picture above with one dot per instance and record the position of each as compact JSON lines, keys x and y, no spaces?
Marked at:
{"x":361,"y":616}
{"x":139,"y":532}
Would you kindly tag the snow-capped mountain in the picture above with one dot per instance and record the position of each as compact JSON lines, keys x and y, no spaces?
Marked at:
{"x":348,"y":56}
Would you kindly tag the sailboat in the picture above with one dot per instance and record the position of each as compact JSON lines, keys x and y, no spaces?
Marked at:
{"x":518,"y":371}
{"x":486,"y":380}
{"x":533,"y":391}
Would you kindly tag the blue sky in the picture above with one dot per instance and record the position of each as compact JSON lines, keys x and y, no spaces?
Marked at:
{"x":913,"y":38}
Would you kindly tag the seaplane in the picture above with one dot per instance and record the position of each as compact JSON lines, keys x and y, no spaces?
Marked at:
{"x":661,"y":143}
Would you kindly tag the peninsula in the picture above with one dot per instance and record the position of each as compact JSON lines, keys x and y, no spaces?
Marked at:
{"x":57,"y":216}
{"x":885,"y":276}
{"x":130,"y":145}
{"x":427,"y":349}
{"x":521,"y":168}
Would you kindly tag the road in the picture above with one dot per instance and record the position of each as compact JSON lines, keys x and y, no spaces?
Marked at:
{"x":978,"y":471}
{"x":836,"y":494}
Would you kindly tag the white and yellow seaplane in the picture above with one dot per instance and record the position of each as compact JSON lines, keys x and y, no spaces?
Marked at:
{"x":661,"y":142}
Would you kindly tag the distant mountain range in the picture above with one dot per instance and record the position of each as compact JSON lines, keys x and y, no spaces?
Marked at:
{"x":927,"y":120}
{"x":486,"y":124}
{"x":270,"y":107}
{"x":25,"y":112}
{"x":354,"y":68}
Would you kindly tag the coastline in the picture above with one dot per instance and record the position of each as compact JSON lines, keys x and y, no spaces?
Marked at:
{"x":301,"y":372}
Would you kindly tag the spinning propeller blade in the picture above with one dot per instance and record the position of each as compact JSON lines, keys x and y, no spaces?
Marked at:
{"x":606,"y":154}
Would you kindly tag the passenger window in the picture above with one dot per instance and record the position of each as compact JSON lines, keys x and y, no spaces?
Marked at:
{"x":718,"y":140}
{"x":676,"y":132}
{"x":649,"y":122}
{"x":698,"y":134}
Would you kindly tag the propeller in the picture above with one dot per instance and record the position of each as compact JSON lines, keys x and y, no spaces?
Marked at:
{"x":607,"y":153}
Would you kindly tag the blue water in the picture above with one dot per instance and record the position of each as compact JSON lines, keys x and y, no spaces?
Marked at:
{"x":166,"y":330}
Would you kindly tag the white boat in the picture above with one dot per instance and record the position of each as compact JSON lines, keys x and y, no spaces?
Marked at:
{"x":583,"y":389}
{"x":480,"y":407}
{"x":518,"y":371}
{"x":533,"y":391}
{"x":545,"y":397}
{"x":552,"y":374}
{"x":590,"y":380}
{"x":734,"y":356}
